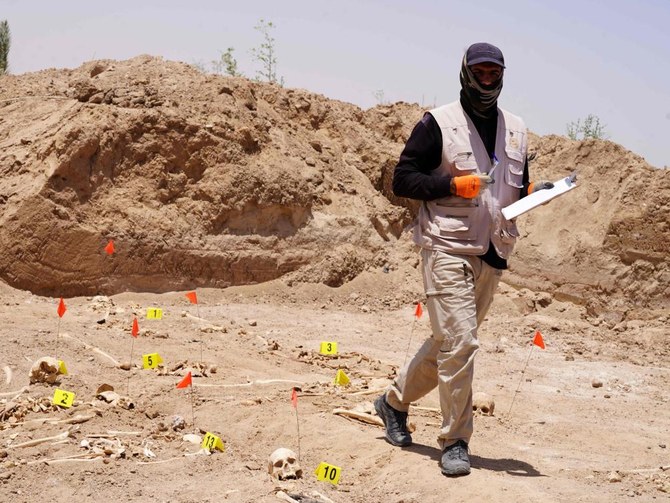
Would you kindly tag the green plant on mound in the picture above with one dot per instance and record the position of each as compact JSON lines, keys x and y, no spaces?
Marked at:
{"x":5,"y":40}
{"x":591,"y":127}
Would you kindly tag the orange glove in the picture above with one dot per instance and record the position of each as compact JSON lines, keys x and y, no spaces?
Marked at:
{"x":468,"y":186}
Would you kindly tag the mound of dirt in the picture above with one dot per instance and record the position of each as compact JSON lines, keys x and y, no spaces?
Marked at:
{"x":206,"y":180}
{"x":200,"y":180}
{"x":604,"y":245}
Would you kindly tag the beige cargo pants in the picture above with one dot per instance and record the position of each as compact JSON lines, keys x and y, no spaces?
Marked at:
{"x":459,"y":292}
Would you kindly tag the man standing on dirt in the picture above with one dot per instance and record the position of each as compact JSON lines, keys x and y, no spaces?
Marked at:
{"x":464,"y":161}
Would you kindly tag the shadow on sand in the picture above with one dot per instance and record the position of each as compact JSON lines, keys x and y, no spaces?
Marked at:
{"x":510,"y":466}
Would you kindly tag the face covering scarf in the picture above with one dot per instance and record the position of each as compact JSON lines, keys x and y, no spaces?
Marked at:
{"x":482,"y":99}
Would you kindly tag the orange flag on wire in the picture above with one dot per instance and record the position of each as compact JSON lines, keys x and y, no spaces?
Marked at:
{"x":110,"y":247}
{"x":136,"y":328}
{"x":61,"y":308}
{"x":186,"y":381}
{"x":192,"y":297}
{"x":538,"y":340}
{"x":419,"y":311}
{"x":294,"y":398}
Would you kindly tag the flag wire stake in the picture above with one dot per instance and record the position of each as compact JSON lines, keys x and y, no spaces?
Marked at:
{"x":521,"y":380}
{"x":192,"y":409}
{"x":297,"y":422}
{"x":130,"y":363}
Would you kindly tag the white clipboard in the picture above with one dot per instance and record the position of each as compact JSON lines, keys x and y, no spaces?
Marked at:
{"x":540,"y":197}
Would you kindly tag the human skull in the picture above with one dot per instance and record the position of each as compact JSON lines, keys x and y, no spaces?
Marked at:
{"x":483,"y":403}
{"x":44,"y":370}
{"x":283,"y":464}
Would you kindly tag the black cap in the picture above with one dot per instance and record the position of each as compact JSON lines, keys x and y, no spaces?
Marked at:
{"x":481,"y":52}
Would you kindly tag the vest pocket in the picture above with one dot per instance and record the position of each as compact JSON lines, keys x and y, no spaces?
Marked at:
{"x":514,"y":171}
{"x":455,"y":223}
{"x":464,"y":160}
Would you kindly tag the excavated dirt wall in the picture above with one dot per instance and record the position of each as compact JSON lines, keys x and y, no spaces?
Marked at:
{"x":206,"y":180}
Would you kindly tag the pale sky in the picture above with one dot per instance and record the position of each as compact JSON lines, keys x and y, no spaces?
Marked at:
{"x":565,"y":59}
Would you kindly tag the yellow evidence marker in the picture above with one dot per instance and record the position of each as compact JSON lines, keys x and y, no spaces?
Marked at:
{"x":328,"y":473}
{"x":62,"y":369}
{"x":212,"y":442}
{"x":151,"y":360}
{"x":63,"y":398}
{"x":154,"y":313}
{"x":328,"y":348}
{"x":341,"y":379}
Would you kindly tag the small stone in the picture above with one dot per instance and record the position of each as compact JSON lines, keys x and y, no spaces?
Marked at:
{"x":569,"y":358}
{"x":178,"y":423}
{"x":152,"y":414}
{"x":608,"y":396}
{"x":253,"y":323}
{"x":662,"y":446}
{"x":614,"y":477}
{"x":597,"y":383}
{"x":192,"y":438}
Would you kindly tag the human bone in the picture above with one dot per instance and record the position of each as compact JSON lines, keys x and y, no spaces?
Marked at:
{"x":30,"y":443}
{"x":109,"y":396}
{"x":8,"y":374}
{"x":192,"y":438}
{"x":124,"y":402}
{"x":283,"y":464}
{"x":483,"y":403}
{"x":44,"y":370}
{"x":365,"y":412}
{"x":112,"y":397}
{"x":112,"y":447}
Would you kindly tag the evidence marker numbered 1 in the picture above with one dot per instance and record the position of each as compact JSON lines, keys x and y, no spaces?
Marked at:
{"x":154,"y":313}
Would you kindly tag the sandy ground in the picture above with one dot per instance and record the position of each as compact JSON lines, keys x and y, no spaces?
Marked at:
{"x":564,"y":439}
{"x":209,"y":181}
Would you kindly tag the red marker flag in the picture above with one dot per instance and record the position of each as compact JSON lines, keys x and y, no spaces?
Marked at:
{"x":192,"y":297}
{"x":294,"y":398}
{"x":186,"y":381}
{"x":538,"y":340}
{"x":110,"y":247}
{"x":136,"y":328}
{"x":61,"y":308}
{"x":419,"y":311}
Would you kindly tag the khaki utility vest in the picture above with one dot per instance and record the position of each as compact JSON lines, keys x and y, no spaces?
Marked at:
{"x":467,"y":226}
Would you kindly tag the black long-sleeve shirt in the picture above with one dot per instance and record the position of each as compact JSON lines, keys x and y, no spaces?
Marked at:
{"x":423,"y":153}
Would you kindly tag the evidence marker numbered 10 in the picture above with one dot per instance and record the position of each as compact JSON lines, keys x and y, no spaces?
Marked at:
{"x":328,"y":473}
